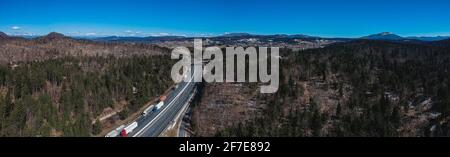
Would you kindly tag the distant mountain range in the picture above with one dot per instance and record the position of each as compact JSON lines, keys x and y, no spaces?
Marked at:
{"x":138,"y":39}
{"x":230,"y":35}
{"x":437,"y":38}
{"x":391,"y":36}
{"x":380,"y":36}
{"x":3,"y":35}
{"x":383,"y":36}
{"x":387,"y":36}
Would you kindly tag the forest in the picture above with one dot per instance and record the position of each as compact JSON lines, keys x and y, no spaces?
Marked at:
{"x":372,"y":88}
{"x":65,"y":96}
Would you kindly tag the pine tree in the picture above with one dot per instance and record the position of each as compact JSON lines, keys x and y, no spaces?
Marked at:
{"x":338,"y":110}
{"x":96,"y":127}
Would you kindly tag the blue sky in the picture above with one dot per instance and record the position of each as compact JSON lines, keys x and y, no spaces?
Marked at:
{"x":328,"y":18}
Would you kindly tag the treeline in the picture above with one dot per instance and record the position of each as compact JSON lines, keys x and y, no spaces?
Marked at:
{"x":376,"y":83}
{"x":62,"y":97}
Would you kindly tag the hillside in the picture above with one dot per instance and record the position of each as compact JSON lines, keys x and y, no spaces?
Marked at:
{"x":58,"y":86}
{"x":55,"y":45}
{"x":3,"y":36}
{"x":359,"y":88}
{"x":445,"y":43}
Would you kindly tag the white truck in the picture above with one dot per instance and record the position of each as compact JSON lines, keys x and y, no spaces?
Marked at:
{"x":147,"y":110}
{"x":158,"y":106}
{"x":115,"y":132}
{"x":129,"y":129}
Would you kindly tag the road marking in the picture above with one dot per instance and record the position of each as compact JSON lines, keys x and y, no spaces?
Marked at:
{"x":165,"y":109}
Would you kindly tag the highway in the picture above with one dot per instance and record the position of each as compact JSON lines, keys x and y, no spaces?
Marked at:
{"x":155,"y":122}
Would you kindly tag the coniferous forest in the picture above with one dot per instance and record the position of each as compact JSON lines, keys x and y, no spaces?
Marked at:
{"x":371,"y":88}
{"x":65,"y":96}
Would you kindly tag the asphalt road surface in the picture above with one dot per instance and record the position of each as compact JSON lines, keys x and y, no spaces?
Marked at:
{"x":155,"y":122}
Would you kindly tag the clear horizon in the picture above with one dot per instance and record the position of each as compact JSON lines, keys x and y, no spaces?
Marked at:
{"x":323,"y":18}
{"x":159,"y":35}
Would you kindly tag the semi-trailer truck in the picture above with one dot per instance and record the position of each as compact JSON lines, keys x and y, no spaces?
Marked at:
{"x":161,"y":103}
{"x":162,"y":98}
{"x":158,"y":106}
{"x":128,"y":129}
{"x":116,"y":132}
{"x":147,"y":110}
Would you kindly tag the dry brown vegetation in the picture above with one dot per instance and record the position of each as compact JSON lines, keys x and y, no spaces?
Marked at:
{"x":54,"y":45}
{"x":360,"y":88}
{"x":225,"y":104}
